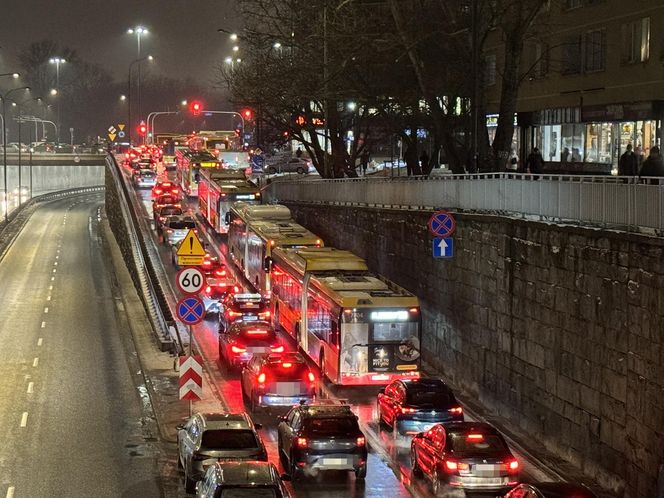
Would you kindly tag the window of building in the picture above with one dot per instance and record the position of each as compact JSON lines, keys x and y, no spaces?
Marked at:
{"x":572,"y":55}
{"x":541,"y":63}
{"x":598,"y":143}
{"x":635,"y":41}
{"x":490,"y":69}
{"x":595,"y":50}
{"x":573,"y":4}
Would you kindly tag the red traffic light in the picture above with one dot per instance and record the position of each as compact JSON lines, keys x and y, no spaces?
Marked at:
{"x":142,"y":129}
{"x":195,"y":107}
{"x":247,"y":114}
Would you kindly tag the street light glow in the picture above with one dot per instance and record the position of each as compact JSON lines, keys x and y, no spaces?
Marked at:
{"x":138,"y":29}
{"x":150,"y":58}
{"x":277,"y":45}
{"x":184,"y":102}
{"x":53,"y":91}
{"x":123,"y":98}
{"x":15,"y":75}
{"x":236,"y":48}
{"x":233,"y":37}
{"x":228,"y":60}
{"x":351,"y":106}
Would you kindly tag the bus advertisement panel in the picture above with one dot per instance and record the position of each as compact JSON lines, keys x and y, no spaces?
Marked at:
{"x":189,"y":164}
{"x":254,"y":231}
{"x":218,"y":189}
{"x":360,"y":328}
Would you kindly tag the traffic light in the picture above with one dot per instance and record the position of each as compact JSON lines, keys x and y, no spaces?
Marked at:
{"x":247,"y":114}
{"x":142,"y":129}
{"x":195,"y":107}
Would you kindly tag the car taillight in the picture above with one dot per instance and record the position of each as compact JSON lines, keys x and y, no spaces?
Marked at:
{"x":318,"y":242}
{"x":234,"y":313}
{"x":207,"y":262}
{"x":311,"y":377}
{"x":238,"y":349}
{"x":451,"y":466}
{"x":457,"y":410}
{"x":414,"y":310}
{"x":277,"y":349}
{"x":256,"y":332}
{"x":208,"y":289}
{"x":513,"y":467}
{"x":360,"y":441}
{"x":475,"y":437}
{"x":405,"y":410}
{"x":286,"y":364}
{"x":168,"y":230}
{"x":162,"y":218}
{"x":264,"y":314}
{"x":220,"y":273}
{"x":261,"y":378}
{"x":301,"y":442}
{"x":158,"y":191}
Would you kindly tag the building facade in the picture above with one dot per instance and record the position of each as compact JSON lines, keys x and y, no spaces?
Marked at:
{"x":593,"y":83}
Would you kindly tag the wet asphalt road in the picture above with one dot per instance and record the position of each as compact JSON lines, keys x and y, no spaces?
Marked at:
{"x":389,"y":464}
{"x":71,"y":419}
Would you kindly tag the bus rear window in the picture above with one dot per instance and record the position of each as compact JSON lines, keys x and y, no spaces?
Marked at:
{"x":394,"y":331}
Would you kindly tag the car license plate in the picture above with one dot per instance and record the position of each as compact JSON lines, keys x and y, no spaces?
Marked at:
{"x":335,"y":461}
{"x":258,"y":350}
{"x":288,"y":388}
{"x":249,"y":318}
{"x":487,"y":466}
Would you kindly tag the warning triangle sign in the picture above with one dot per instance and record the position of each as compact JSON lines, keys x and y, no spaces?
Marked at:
{"x":191,"y":245}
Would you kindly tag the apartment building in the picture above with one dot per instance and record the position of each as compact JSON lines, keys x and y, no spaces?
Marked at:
{"x":594,"y":84}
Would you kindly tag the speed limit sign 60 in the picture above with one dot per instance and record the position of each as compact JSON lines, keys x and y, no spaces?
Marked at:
{"x":190,"y":280}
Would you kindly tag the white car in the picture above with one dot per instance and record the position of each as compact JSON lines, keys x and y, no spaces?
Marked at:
{"x":176,"y":228}
{"x":145,"y":178}
{"x":297,"y":165}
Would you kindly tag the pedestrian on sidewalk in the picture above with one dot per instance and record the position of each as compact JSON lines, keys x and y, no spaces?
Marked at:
{"x":424,"y":162}
{"x":535,"y":162}
{"x":298,"y":152}
{"x":364,"y":161}
{"x":628,"y":165}
{"x":654,"y":165}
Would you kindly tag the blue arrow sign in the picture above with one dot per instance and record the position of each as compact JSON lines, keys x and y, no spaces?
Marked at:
{"x":443,"y":248}
{"x":191,"y":310}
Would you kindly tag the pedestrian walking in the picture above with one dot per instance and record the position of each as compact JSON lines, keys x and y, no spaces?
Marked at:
{"x":628,"y":165}
{"x":364,"y":161}
{"x":535,"y":162}
{"x":298,"y":152}
{"x":424,"y":161}
{"x":654,"y":165}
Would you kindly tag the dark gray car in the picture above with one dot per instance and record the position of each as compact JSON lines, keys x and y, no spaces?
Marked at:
{"x":242,"y":479}
{"x":208,"y":437}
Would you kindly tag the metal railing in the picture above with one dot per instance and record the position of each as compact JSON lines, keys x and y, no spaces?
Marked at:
{"x":626,"y":203}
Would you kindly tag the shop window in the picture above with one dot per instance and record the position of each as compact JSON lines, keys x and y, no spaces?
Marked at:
{"x":572,"y":55}
{"x":635,"y":46}
{"x":490,"y":69}
{"x":571,"y":143}
{"x":599,"y":144}
{"x":595,"y":50}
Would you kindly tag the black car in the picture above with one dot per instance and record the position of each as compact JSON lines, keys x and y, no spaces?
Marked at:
{"x":242,"y":480}
{"x":322,"y":437}
{"x":470,"y":456}
{"x":242,"y":340}
{"x":208,"y":437}
{"x":416,"y":405}
{"x":550,"y":490}
{"x":246,"y":307}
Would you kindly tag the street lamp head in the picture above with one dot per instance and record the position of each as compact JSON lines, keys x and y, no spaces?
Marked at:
{"x":184,"y":102}
{"x":233,"y":37}
{"x":14,"y":104}
{"x":228,"y":60}
{"x":150,"y":58}
{"x":123,"y":98}
{"x":15,"y":75}
{"x":277,"y":45}
{"x":238,"y":60}
{"x":236,"y":48}
{"x":53,"y":91}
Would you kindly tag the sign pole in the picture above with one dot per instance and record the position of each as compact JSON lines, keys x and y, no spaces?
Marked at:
{"x":191,"y":340}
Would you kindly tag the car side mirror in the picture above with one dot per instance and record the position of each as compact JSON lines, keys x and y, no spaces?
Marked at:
{"x":381,"y":391}
{"x":179,"y":427}
{"x":258,"y":426}
{"x":285,"y":477}
{"x":227,"y":218}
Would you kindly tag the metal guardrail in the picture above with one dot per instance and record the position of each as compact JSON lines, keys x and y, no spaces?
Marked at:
{"x":150,"y":291}
{"x":626,"y":203}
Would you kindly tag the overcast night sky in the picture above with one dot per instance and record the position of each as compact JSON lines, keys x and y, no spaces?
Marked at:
{"x":183,"y":33}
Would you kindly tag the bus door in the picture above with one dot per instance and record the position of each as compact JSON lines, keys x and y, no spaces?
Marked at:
{"x":353,"y":358}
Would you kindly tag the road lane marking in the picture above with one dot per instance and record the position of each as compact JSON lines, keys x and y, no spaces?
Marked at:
{"x":24,"y":419}
{"x":43,"y":325}
{"x":50,"y":287}
{"x":57,"y":256}
{"x":46,"y":310}
{"x":55,"y":263}
{"x":48,"y":298}
{"x":10,"y":492}
{"x":52,"y":279}
{"x":31,"y":387}
{"x":40,"y":341}
{"x":35,"y":362}
{"x":54,"y":270}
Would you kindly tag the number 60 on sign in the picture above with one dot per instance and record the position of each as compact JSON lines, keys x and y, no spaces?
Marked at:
{"x":190,"y":280}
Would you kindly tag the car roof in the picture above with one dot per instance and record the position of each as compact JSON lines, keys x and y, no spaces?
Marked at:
{"x":277,"y":358}
{"x":247,"y":473}
{"x":466,"y":427}
{"x":325,"y":411}
{"x":212,"y":421}
{"x":252,"y":324}
{"x":425,"y":383}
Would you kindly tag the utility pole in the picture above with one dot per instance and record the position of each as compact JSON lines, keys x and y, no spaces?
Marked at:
{"x":325,"y":92}
{"x":475,"y":71}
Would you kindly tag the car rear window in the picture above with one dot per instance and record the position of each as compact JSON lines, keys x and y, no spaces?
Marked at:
{"x":167,"y":199}
{"x":229,"y":439}
{"x":170,"y":211}
{"x":488,"y":444}
{"x":288,"y":370}
{"x":148,"y":174}
{"x":181,"y":224}
{"x":321,"y":426}
{"x":248,"y":492}
{"x":429,"y":398}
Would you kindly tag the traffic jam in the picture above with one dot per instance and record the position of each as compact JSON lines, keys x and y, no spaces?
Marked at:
{"x":315,"y":357}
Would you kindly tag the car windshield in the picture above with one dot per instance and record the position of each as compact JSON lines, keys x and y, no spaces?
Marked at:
{"x":170,"y":211}
{"x":477,"y":444}
{"x":321,"y":426}
{"x":422,"y":397}
{"x":229,"y":439}
{"x":249,"y":492}
{"x":167,"y":200}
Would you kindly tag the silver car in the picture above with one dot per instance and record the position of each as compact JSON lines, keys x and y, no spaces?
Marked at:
{"x":145,"y":178}
{"x":208,"y":437}
{"x":176,"y":228}
{"x":293,"y":165}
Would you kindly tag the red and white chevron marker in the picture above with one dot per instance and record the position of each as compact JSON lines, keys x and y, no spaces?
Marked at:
{"x":191,"y":377}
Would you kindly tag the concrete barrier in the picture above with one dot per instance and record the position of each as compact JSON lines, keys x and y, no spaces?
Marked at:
{"x":51,"y":178}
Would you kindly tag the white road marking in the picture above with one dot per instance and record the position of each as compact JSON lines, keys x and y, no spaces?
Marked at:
{"x":24,"y":419}
{"x":43,"y":325}
{"x":57,"y":255}
{"x":55,"y":263}
{"x":35,"y":362}
{"x":31,"y":387}
{"x":40,"y":341}
{"x":50,"y":287}
{"x":46,"y":310}
{"x":10,"y":492}
{"x":54,"y":270}
{"x":52,"y":279}
{"x":48,"y":298}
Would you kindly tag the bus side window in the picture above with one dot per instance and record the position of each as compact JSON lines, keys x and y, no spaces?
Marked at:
{"x":334,"y":333}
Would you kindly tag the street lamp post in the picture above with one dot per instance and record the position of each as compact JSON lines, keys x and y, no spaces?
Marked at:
{"x":139,"y":31}
{"x":137,"y":61}
{"x":57,"y":61}
{"x":19,"y":105}
{"x":4,"y":141}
